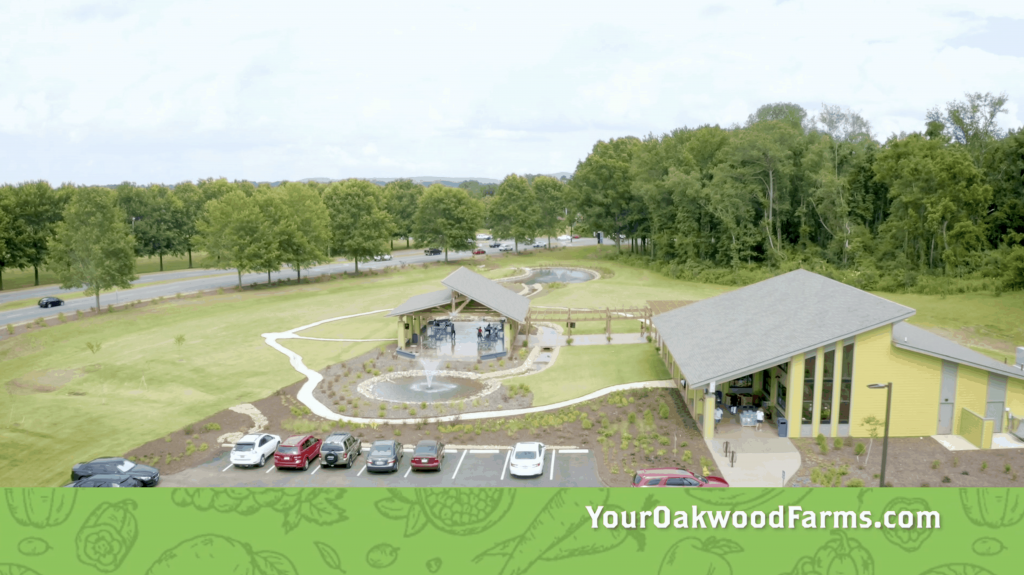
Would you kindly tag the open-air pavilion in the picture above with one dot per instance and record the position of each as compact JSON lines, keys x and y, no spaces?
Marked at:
{"x":471,"y":317}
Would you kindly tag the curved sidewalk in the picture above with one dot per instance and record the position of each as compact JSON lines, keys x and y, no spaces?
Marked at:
{"x":313,"y":378}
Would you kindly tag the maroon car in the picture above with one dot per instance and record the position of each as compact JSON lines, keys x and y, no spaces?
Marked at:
{"x":297,"y":451}
{"x":674,"y":477}
{"x":428,"y":455}
{"x":479,"y":252}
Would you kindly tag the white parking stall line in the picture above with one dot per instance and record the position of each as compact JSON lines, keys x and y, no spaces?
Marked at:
{"x":553,"y":452}
{"x":447,"y":451}
{"x":314,"y":471}
{"x":483,"y":451}
{"x":407,"y":471}
{"x":574,"y":451}
{"x":272,"y":467}
{"x":503,"y":469}
{"x":459,"y":465}
{"x":361,"y":471}
{"x":228,"y":467}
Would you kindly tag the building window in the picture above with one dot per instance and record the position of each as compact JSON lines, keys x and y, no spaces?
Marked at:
{"x":808,"y":404}
{"x":780,"y":393}
{"x":826,"y":387}
{"x":846,"y":387}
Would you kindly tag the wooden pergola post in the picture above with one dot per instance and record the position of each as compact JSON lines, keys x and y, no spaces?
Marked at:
{"x":608,"y":322}
{"x":568,"y":322}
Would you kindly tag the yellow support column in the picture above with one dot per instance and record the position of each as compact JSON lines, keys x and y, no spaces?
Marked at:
{"x":819,"y":377}
{"x":795,"y":394}
{"x":758,"y":381}
{"x":401,"y":332}
{"x":709,"y":416}
{"x":837,"y":384}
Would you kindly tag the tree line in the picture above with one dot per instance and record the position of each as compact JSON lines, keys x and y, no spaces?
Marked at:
{"x":938,"y":210}
{"x":90,"y":235}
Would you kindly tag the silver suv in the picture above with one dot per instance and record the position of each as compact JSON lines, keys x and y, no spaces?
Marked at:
{"x":340,"y":449}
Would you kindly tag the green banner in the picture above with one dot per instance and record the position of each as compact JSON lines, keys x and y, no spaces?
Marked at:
{"x":512,"y":531}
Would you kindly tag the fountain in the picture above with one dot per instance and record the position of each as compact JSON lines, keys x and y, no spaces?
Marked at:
{"x":560,"y":275}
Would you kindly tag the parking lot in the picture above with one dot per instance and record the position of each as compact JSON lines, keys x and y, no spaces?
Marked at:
{"x":461,"y":468}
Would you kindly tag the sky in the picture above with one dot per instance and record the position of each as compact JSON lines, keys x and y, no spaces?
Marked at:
{"x":162,"y":92}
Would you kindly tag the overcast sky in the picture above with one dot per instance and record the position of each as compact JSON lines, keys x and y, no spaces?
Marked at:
{"x":99,"y":93}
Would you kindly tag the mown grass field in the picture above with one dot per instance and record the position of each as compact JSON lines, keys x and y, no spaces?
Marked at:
{"x":15,"y":278}
{"x":99,"y":404}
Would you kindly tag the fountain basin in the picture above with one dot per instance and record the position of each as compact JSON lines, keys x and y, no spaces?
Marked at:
{"x":416,"y":389}
{"x":559,"y":275}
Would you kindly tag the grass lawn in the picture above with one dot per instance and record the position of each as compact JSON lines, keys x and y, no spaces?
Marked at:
{"x":15,"y":278}
{"x":586,"y":369}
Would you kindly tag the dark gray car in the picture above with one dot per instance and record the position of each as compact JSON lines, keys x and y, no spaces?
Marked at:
{"x":340,"y":449}
{"x":385,"y":455}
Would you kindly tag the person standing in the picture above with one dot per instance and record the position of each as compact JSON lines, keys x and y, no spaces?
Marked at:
{"x":718,"y":417}
{"x":760,"y":418}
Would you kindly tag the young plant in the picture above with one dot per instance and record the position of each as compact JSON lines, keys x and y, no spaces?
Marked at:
{"x":10,"y":329}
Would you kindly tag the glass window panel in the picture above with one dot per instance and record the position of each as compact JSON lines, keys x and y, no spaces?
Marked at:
{"x":846,"y":387}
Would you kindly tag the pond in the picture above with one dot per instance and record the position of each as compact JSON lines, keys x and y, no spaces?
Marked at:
{"x":560,"y":275}
{"x":417,"y":389}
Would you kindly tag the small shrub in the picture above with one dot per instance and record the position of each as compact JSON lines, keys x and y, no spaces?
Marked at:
{"x":822,"y":443}
{"x":211,"y":427}
{"x":859,"y":449}
{"x":78,"y":314}
{"x":1006,"y":468}
{"x":39,"y":321}
{"x":188,"y":429}
{"x":177,"y":295}
{"x":376,"y":372}
{"x":946,"y":479}
{"x":663,"y":410}
{"x":935,"y":464}
{"x":837,"y":443}
{"x":220,"y":291}
{"x":649,"y":339}
{"x":10,"y":329}
{"x":61,"y":318}
{"x":956,"y":461}
{"x":687,"y":456}
{"x":110,"y":308}
{"x":203,"y":447}
{"x":855,"y":483}
{"x":964,"y":472}
{"x":984,"y":465}
{"x":412,"y":411}
{"x":609,"y":338}
{"x":383,"y":406}
{"x":189,"y":448}
{"x":632,"y":417}
{"x":568,"y":341}
{"x":398,"y":433}
{"x":423,"y":405}
{"x":586,"y":423}
{"x":167,"y":439}
{"x":381,"y":415}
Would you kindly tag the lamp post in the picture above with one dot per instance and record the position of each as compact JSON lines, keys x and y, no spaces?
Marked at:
{"x":885,"y":441}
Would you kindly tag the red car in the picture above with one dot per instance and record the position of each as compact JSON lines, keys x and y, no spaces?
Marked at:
{"x":576,"y":237}
{"x":674,"y":477}
{"x":479,"y":252}
{"x":297,"y":451}
{"x":428,"y":455}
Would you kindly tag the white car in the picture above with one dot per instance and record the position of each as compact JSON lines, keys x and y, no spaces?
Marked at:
{"x":505,"y":248}
{"x":563,"y":238}
{"x":539,"y":244}
{"x":254,"y":450}
{"x":527,"y":459}
{"x":483,"y":236}
{"x":382,"y":258}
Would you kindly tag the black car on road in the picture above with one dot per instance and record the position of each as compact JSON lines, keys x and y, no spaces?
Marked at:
{"x":432,"y":252}
{"x":385,"y":455}
{"x":107,"y":481}
{"x":50,"y":302}
{"x":149,"y":476}
{"x":340,"y":449}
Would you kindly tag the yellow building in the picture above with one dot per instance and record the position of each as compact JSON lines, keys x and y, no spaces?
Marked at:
{"x":805,"y":348}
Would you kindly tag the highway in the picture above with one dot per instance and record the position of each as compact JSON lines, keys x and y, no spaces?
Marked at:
{"x":184,"y":281}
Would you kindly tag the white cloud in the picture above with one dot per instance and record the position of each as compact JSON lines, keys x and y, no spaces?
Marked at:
{"x":109,"y":91}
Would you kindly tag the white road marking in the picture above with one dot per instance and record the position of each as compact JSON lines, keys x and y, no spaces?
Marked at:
{"x":447,"y":451}
{"x":315,"y":470}
{"x":553,"y":452}
{"x":361,"y":471}
{"x":407,"y":471}
{"x":507,"y":458}
{"x":272,"y":467}
{"x":574,"y":451}
{"x":459,"y":465}
{"x":226,"y":468}
{"x":483,"y":451}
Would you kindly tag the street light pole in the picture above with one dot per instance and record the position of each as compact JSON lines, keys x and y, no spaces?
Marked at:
{"x":885,"y":440}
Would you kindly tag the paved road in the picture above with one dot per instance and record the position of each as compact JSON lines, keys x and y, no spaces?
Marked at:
{"x":461,"y":468}
{"x":195,"y":280}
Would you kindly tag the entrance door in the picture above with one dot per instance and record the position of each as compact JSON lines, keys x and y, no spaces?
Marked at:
{"x":945,"y":419}
{"x":996,"y":401}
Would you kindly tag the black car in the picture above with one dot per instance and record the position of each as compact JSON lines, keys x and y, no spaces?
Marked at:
{"x":495,"y":244}
{"x":50,"y":302}
{"x":107,"y":481}
{"x":432,"y":252}
{"x":149,"y":476}
{"x":340,"y":449}
{"x":385,"y":455}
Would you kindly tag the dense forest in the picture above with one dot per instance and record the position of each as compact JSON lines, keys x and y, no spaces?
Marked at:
{"x":936,"y":211}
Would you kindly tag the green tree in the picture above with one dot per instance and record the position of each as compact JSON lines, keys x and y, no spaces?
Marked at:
{"x":303,"y":229}
{"x":790,"y":114}
{"x":360,"y":224}
{"x":514,"y":211}
{"x":190,"y":201}
{"x":235,"y":233}
{"x":972,"y":123}
{"x":447,"y":218}
{"x":403,"y":199}
{"x":603,"y":186}
{"x":550,"y":194}
{"x":158,"y":232}
{"x":12,"y":233}
{"x":93,"y":245}
{"x":39,"y":208}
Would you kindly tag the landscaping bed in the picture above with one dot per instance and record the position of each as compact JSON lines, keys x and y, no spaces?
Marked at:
{"x":912,"y":462}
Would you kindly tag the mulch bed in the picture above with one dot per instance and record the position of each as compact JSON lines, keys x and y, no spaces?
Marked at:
{"x":913,"y":462}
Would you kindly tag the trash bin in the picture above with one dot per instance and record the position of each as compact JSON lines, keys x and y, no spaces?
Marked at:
{"x":415,"y":338}
{"x":783,"y":427}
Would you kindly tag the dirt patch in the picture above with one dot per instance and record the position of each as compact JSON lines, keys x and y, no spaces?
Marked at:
{"x":969,"y":336}
{"x":339,"y":389}
{"x":184,"y":448}
{"x":658,"y":307}
{"x":912,"y":462}
{"x":42,"y":381}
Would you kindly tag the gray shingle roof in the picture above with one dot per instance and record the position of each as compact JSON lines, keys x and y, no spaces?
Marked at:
{"x":913,"y":338}
{"x":422,"y":302}
{"x":484,"y":291}
{"x":764,"y":324}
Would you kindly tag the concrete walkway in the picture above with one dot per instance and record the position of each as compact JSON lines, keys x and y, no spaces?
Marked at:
{"x":761,"y":456}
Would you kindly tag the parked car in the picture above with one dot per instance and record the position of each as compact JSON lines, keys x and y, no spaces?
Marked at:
{"x":494,"y":244}
{"x":539,"y":244}
{"x":563,"y":238}
{"x":382,"y":258}
{"x":385,"y":455}
{"x":527,"y":459}
{"x":674,"y":477}
{"x":505,"y":248}
{"x":107,"y":481}
{"x":340,"y":448}
{"x":432,"y":252}
{"x":483,"y":236}
{"x":254,"y":450}
{"x":479,"y":252}
{"x":576,"y":237}
{"x":149,"y":476}
{"x":429,"y":454}
{"x":50,"y":302}
{"x":297,"y":451}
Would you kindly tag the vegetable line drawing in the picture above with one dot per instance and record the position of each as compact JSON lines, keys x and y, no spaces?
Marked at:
{"x":15,"y":569}
{"x":958,"y":569}
{"x":40,"y":507}
{"x":329,"y":555}
{"x":988,"y":546}
{"x":317,"y":506}
{"x":451,"y":510}
{"x":993,"y":507}
{"x":381,"y":555}
{"x":218,"y":554}
{"x":694,"y":555}
{"x":107,"y":535}
{"x":433,"y":565}
{"x":33,"y":546}
{"x":907,"y":539}
{"x":840,"y":554}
